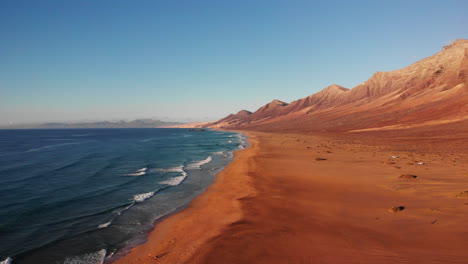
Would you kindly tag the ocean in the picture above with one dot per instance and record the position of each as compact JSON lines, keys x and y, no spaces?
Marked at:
{"x":90,"y":195}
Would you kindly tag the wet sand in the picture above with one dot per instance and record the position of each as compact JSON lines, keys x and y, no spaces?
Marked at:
{"x":296,"y":198}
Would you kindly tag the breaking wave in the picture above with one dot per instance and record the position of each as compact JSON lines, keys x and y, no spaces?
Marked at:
{"x":139,"y":172}
{"x":104,"y":225}
{"x":172,"y":169}
{"x":7,"y":261}
{"x":174,"y":180}
{"x":198,"y":164}
{"x":142,"y":196}
{"x":90,"y":258}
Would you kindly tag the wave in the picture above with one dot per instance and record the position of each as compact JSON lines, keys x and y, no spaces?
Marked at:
{"x":52,"y":146}
{"x":198,"y":164}
{"x":81,"y":135}
{"x":111,"y":254}
{"x":127,"y":207}
{"x":104,"y":225}
{"x":243,"y":143}
{"x":142,"y":196}
{"x":7,"y":261}
{"x":172,"y":169}
{"x":226,"y":154}
{"x":77,"y":162}
{"x":174,"y":180}
{"x":139,"y":172}
{"x":143,"y":169}
{"x":148,"y":139}
{"x":90,"y":258}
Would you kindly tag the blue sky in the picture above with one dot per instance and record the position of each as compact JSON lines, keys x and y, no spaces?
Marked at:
{"x":201,"y":60}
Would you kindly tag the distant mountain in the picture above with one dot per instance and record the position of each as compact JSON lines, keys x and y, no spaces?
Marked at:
{"x":433,"y":91}
{"x":139,"y":123}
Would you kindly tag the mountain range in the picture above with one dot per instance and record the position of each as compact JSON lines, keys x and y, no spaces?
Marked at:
{"x":432,"y":91}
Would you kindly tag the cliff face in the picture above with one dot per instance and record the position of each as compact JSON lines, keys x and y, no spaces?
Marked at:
{"x":428,"y":92}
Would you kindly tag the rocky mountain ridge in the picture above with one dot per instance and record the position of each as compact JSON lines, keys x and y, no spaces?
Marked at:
{"x":428,"y":92}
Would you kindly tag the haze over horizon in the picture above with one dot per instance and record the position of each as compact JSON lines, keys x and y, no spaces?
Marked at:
{"x":189,"y":61}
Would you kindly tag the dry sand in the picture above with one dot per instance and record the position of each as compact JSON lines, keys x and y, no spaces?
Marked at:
{"x":277,"y":203}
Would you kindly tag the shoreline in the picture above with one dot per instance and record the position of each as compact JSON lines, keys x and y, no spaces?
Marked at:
{"x":275,"y":203}
{"x":148,"y":251}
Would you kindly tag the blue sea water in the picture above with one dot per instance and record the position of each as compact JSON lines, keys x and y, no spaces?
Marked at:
{"x":85,"y":195}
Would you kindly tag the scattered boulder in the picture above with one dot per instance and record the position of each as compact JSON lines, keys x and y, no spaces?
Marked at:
{"x":396,"y":209}
{"x":463,"y":194}
{"x":397,"y":167}
{"x":408,"y":176}
{"x":320,"y":159}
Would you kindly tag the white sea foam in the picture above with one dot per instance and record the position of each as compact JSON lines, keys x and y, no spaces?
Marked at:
{"x":110,"y":254}
{"x":90,"y":258}
{"x":242,"y":141}
{"x":137,"y":173}
{"x":120,"y":212}
{"x":172,"y":169}
{"x":104,"y":225}
{"x":7,"y":261}
{"x":219,"y":153}
{"x":142,"y":196}
{"x":229,"y":141}
{"x":174,"y":181}
{"x":198,"y":164}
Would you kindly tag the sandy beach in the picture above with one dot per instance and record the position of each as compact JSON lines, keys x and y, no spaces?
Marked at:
{"x":303,"y":198}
